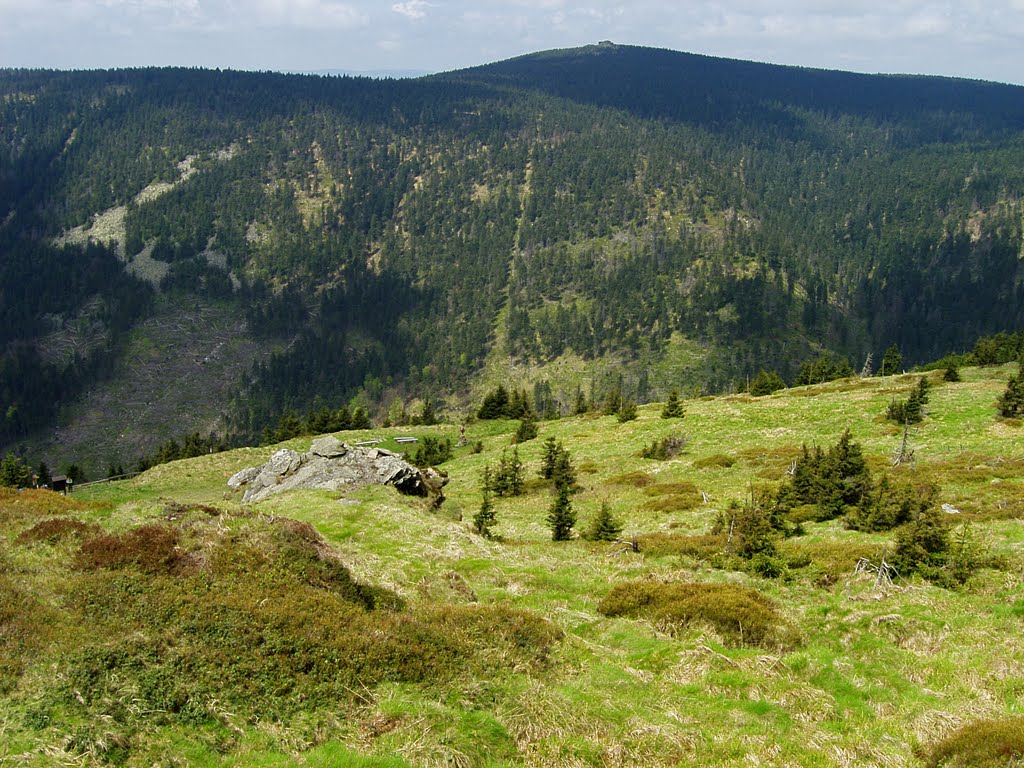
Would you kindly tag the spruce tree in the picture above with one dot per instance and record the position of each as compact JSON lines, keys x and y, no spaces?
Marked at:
{"x":581,"y":406}
{"x":1011,"y":402}
{"x":549,"y":458}
{"x":14,"y":473}
{"x":765,"y":383}
{"x":604,"y":527}
{"x":627,"y":411}
{"x":485,"y":517}
{"x":564,"y":474}
{"x":561,"y":517}
{"x":515,"y":474}
{"x":527,"y":429}
{"x":891,"y":361}
{"x":427,"y":416}
{"x":952,"y":373}
{"x":673,"y":406}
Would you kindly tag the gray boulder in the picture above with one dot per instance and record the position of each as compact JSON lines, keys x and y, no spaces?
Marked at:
{"x":333,"y":465}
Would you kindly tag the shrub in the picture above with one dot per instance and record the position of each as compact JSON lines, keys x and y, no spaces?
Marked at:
{"x":765,"y":383}
{"x":25,"y":624}
{"x":672,"y":497}
{"x":716,"y":460}
{"x":432,"y":451}
{"x":667,"y":448}
{"x":702,"y":547}
{"x":981,"y":744}
{"x":627,"y":411}
{"x":149,"y":548}
{"x":741,"y":615}
{"x":891,"y":504}
{"x":52,"y":531}
{"x":635,"y":479}
{"x":268,"y":627}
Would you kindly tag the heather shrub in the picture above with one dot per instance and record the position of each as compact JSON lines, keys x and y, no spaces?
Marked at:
{"x":981,"y":744}
{"x":269,"y":622}
{"x":54,"y":530}
{"x":703,"y":547}
{"x":742,"y":616}
{"x":149,"y":548}
{"x":716,"y":460}
{"x":24,"y":625}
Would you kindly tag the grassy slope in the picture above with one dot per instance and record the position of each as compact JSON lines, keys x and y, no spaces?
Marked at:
{"x":875,"y":676}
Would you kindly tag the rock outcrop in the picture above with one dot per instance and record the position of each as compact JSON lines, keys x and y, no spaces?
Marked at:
{"x":336,"y":466}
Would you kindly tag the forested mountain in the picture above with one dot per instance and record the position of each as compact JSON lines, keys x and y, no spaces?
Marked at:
{"x":380,"y":238}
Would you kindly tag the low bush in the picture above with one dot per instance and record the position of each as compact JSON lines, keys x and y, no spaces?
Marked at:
{"x":150,"y":548}
{"x":29,"y":503}
{"x":981,"y":744}
{"x":674,"y":503}
{"x":53,"y":530}
{"x":716,"y":460}
{"x":269,"y":623}
{"x":892,"y":503}
{"x":432,"y":451}
{"x":742,"y":616}
{"x":635,"y":479}
{"x":829,"y":560}
{"x":698,"y":547}
{"x":667,"y":448}
{"x":24,"y":625}
{"x":673,"y":497}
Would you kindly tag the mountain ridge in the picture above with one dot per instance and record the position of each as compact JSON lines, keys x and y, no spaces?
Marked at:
{"x":646,"y":237}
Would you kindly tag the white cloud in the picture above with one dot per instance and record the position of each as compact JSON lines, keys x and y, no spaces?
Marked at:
{"x":306,"y":14}
{"x":413,"y":9}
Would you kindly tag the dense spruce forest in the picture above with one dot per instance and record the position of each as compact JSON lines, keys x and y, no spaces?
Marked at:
{"x":391,"y":238}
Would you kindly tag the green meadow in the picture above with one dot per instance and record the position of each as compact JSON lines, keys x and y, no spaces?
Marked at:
{"x":161,"y":622}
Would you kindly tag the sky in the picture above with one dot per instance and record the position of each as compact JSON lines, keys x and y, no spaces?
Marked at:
{"x":969,"y":38}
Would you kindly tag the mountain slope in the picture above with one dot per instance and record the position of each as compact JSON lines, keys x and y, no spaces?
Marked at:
{"x":605,"y":217}
{"x":156,"y":620}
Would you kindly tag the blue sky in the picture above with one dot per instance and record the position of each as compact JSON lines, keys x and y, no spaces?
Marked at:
{"x":969,"y":38}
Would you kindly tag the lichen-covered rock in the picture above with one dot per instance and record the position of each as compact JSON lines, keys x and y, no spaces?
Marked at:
{"x":333,"y":465}
{"x":328,"y":447}
{"x":245,"y":476}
